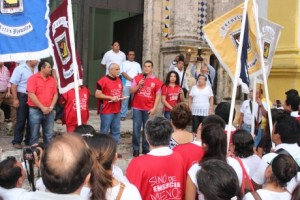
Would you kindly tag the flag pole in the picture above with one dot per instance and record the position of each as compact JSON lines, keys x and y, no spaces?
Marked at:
{"x":237,"y":72}
{"x":74,"y":61}
{"x":253,"y":103}
{"x":255,"y":10}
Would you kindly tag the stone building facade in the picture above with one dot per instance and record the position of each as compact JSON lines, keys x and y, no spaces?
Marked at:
{"x":173,"y":27}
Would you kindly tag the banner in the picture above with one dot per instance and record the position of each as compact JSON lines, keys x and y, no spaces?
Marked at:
{"x":270,"y":34}
{"x":244,"y":74}
{"x":60,"y":34}
{"x":24,"y":30}
{"x":223,"y":35}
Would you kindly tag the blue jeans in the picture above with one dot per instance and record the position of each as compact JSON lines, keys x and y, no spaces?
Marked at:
{"x":167,"y":114}
{"x":140,"y":118}
{"x":124,"y":109}
{"x":112,"y":122}
{"x":22,"y":120}
{"x":257,"y":137}
{"x":37,"y":118}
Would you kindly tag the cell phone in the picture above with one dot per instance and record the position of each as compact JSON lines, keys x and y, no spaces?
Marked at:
{"x":278,"y":103}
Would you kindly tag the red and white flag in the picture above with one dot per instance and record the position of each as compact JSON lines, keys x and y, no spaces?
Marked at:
{"x":61,"y":34}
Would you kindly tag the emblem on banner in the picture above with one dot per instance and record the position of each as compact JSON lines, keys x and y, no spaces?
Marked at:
{"x":11,"y":6}
{"x":267,"y":45}
{"x":62,"y":48}
{"x":235,"y":37}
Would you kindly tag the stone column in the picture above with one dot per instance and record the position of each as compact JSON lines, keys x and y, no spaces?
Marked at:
{"x":152,"y":33}
{"x":185,"y":20}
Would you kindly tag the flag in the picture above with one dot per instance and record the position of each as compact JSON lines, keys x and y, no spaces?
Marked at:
{"x":223,"y":36}
{"x":270,"y":34}
{"x":60,"y":34}
{"x":244,"y":74}
{"x":24,"y":30}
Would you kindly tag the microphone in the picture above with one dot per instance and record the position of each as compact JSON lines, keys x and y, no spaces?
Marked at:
{"x":144,"y":77}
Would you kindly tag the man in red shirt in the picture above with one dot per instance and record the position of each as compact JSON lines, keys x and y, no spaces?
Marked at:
{"x":42,"y":96}
{"x":147,"y":92}
{"x":160,"y":174}
{"x":109,"y":92}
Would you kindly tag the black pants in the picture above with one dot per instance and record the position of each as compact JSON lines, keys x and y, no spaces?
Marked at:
{"x":196,"y":121}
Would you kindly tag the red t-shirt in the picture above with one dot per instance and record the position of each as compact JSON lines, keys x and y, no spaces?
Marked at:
{"x":44,"y":89}
{"x":191,"y":153}
{"x":110,"y":87}
{"x":158,"y":177}
{"x":172,"y":95}
{"x":144,"y":98}
{"x":70,"y":113}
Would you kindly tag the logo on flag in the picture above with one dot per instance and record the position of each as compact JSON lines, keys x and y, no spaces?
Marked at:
{"x":60,"y":34}
{"x":11,"y":6}
{"x":24,"y":30}
{"x":62,"y":48}
{"x":270,"y":34}
{"x":223,"y":36}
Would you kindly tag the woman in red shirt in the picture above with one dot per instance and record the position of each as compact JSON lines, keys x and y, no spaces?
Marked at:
{"x":171,"y":93}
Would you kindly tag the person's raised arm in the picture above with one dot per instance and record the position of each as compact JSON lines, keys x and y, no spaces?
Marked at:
{"x":212,"y":71}
{"x":193,"y":71}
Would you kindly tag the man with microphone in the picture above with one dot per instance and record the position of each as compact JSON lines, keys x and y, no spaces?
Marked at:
{"x":147,"y":92}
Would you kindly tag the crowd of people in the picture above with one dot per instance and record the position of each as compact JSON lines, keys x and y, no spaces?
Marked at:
{"x":178,"y":163}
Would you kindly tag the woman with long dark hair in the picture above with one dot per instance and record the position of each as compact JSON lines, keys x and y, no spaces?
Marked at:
{"x":104,"y":148}
{"x":214,"y":143}
{"x":171,"y":93}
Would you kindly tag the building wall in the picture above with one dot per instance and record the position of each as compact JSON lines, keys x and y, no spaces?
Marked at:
{"x":285,"y":73}
{"x":162,"y":44}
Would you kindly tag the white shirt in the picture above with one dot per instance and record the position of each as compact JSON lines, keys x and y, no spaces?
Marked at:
{"x":12,"y":194}
{"x":180,"y":73}
{"x":200,"y":104}
{"x":230,"y":161}
{"x":246,"y":110}
{"x":112,"y":57}
{"x":268,"y":195}
{"x":131,"y":68}
{"x":40,"y":195}
{"x":295,"y":114}
{"x":251,"y":162}
{"x":116,"y":171}
{"x":129,"y":192}
{"x":293,"y":149}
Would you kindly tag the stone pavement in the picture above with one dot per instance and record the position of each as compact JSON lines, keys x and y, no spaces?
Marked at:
{"x":124,"y":148}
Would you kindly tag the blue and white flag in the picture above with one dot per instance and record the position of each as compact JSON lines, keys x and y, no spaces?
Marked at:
{"x":24,"y":30}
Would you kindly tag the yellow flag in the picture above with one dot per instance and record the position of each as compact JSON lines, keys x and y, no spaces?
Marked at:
{"x":223,"y":36}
